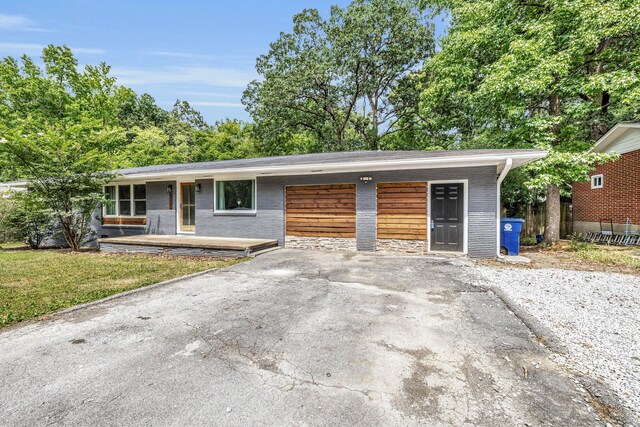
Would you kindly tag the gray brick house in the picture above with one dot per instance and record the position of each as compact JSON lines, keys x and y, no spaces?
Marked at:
{"x":407,"y":201}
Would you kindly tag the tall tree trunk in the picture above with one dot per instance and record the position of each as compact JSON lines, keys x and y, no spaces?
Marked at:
{"x":373,"y":139}
{"x":552,"y":215}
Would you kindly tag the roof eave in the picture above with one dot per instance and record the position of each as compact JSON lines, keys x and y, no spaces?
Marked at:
{"x":497,"y":160}
{"x":614,"y":133}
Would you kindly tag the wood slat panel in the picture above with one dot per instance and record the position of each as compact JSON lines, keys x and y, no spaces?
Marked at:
{"x":402,"y":210}
{"x":319,"y":234}
{"x":321,"y":204}
{"x":402,"y":184}
{"x":124,"y":221}
{"x":407,"y":216}
{"x":325,"y":187}
{"x":321,"y":229}
{"x":321,"y":210}
{"x":410,"y":236}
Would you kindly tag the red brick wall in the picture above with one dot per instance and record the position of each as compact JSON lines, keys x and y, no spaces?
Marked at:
{"x":619,"y":198}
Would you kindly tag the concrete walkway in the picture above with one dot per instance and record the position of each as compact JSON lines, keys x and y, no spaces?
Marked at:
{"x":292,"y":338}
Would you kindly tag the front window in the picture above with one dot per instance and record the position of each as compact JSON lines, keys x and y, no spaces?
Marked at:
{"x":236,"y":195}
{"x":110,"y":196}
{"x":125,"y":200}
{"x":140,"y":199}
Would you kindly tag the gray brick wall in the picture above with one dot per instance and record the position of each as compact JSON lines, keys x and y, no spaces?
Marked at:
{"x":268,"y":222}
{"x":161,"y":219}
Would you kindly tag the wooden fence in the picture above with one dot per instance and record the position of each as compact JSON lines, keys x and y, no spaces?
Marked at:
{"x":534,"y":217}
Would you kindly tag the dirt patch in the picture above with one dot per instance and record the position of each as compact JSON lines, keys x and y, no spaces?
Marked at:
{"x":561,"y":258}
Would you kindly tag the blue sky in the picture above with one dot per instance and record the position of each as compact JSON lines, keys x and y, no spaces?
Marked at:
{"x":200,"y":51}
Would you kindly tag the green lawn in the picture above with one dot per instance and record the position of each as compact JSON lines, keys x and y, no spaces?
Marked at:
{"x":11,"y":245}
{"x":33,"y":283}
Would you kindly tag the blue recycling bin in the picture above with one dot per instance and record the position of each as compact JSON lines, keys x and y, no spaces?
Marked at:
{"x":510,"y":234}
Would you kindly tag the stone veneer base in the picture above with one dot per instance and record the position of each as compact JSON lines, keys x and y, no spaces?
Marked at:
{"x":393,"y":246}
{"x":326,"y":243}
{"x":407,"y":247}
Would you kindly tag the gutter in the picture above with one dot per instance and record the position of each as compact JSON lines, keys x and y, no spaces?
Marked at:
{"x":507,"y":167}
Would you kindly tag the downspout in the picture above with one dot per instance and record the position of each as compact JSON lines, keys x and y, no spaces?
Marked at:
{"x":503,"y":174}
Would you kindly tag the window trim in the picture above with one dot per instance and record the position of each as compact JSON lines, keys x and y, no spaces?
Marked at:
{"x":238,"y":212}
{"x":116,"y":202}
{"x":595,"y":186}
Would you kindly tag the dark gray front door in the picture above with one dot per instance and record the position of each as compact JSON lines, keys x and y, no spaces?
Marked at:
{"x":447,"y":216}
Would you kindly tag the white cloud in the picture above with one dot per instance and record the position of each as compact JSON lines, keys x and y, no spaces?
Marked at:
{"x":209,"y":94}
{"x":198,"y":56}
{"x":207,"y":76}
{"x":17,"y":22}
{"x":215,"y":104}
{"x":33,"y":48}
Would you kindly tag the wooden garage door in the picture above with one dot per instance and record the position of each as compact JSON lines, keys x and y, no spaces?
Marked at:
{"x":402,"y":211}
{"x":321,"y":210}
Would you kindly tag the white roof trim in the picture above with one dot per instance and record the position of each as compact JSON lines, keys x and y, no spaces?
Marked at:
{"x":614,"y":133}
{"x":497,"y":160}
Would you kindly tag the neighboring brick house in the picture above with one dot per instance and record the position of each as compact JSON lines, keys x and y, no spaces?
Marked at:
{"x":613,"y":190}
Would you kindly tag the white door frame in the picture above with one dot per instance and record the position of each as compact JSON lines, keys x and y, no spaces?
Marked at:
{"x":179,"y":183}
{"x":465,"y":195}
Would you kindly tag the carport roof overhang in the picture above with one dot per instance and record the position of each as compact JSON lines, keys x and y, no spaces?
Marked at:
{"x":328,"y":163}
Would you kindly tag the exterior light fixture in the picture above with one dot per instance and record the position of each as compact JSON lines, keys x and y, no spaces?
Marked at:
{"x":169,"y":189}
{"x":366,"y":179}
{"x":198,"y":188}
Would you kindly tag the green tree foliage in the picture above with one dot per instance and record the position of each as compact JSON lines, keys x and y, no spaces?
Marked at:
{"x":335,"y":79}
{"x":227,"y":140}
{"x":29,"y":219}
{"x":549,"y":74}
{"x":58,"y":130}
{"x":180,"y":142}
{"x":141,"y":111}
{"x":63,"y":128}
{"x":7,"y":207}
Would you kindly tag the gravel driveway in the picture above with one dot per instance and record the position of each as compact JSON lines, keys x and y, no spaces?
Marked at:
{"x":595,"y":317}
{"x":293,"y":338}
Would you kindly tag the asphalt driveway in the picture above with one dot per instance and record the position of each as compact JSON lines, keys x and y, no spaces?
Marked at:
{"x":292,"y":338}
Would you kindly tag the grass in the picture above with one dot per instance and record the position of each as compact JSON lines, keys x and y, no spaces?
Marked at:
{"x":34,"y":283}
{"x":608,"y":255}
{"x":12,"y":245}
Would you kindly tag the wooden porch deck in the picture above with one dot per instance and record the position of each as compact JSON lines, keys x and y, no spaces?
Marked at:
{"x":185,"y":245}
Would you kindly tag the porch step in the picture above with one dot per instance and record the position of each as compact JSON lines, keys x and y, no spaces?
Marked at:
{"x":185,"y":245}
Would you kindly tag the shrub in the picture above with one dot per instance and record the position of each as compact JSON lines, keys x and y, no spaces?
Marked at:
{"x":576,"y":243}
{"x":7,"y":232}
{"x":528,"y":241}
{"x":30,"y":219}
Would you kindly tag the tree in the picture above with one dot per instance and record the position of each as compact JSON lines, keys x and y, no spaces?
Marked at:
{"x":30,"y":219}
{"x":548,"y":74}
{"x":60,"y":130}
{"x":140,"y":111}
{"x":227,"y":140}
{"x":334,"y":79}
